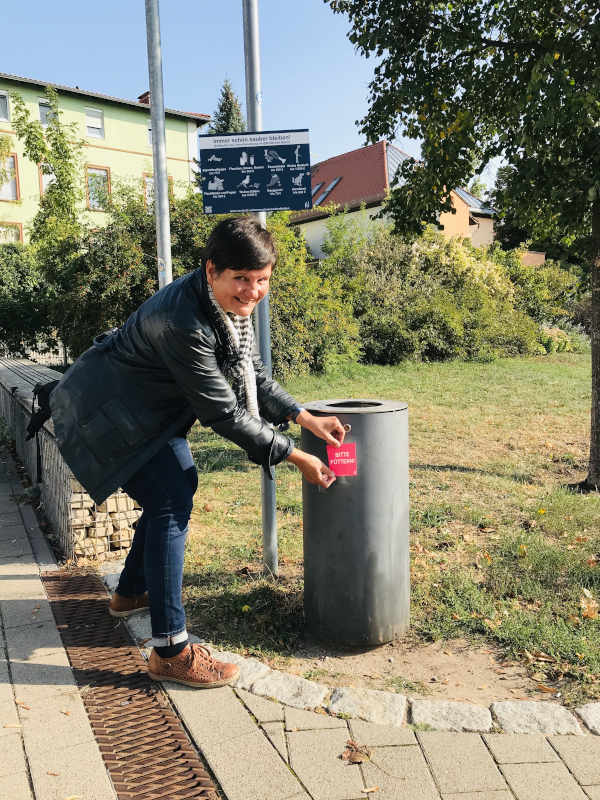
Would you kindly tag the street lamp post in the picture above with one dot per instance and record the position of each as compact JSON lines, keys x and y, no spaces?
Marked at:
{"x":255,"y":123}
{"x":159,"y":146}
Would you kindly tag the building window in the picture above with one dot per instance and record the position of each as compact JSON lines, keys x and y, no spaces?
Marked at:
{"x":45,"y":112}
{"x":4,"y":107}
{"x":324,"y":194}
{"x":46,"y":178}
{"x":11,"y":232}
{"x":98,"y":187}
{"x":94,"y":123}
{"x":9,"y":191}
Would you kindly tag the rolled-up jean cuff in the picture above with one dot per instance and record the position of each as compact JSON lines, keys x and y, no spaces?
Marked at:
{"x":168,"y":641}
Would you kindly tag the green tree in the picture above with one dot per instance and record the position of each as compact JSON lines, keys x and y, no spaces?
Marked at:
{"x":573,"y":251}
{"x":22,"y":300}
{"x":56,"y":229}
{"x":478,"y":188}
{"x":517,"y":79}
{"x":228,"y":117}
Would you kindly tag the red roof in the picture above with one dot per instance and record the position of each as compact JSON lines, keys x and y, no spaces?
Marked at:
{"x":360,"y":176}
{"x":363,"y":174}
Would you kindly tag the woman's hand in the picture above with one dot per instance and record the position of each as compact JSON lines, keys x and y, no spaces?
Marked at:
{"x":313,"y":469}
{"x":330,"y":429}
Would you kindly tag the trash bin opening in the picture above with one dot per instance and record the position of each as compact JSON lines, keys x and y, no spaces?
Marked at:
{"x":355,"y":404}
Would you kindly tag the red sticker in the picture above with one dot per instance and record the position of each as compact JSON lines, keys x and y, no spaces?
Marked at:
{"x":342,"y":459}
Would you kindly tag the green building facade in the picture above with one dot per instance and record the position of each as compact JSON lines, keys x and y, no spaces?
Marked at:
{"x":117,"y":147}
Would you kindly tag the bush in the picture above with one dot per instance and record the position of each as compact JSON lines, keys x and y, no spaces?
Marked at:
{"x":23,"y":301}
{"x":432,"y":299}
{"x":545,"y":292}
{"x":311,"y":324}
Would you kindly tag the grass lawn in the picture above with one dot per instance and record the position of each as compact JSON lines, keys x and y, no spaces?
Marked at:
{"x":500,"y":551}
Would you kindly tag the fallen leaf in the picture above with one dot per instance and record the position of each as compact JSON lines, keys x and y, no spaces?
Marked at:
{"x":23,"y":705}
{"x":10,"y":725}
{"x":207,"y":507}
{"x":355,"y":753}
{"x":543,"y":688}
{"x":582,"y":538}
{"x":370,"y":789}
{"x":56,"y":774}
{"x":66,"y":713}
{"x":541,"y":656}
{"x":589,"y":606}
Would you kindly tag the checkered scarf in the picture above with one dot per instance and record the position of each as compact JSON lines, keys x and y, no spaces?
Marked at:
{"x":237,"y":337}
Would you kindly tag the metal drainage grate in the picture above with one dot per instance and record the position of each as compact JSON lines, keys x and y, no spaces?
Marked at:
{"x":145,"y":748}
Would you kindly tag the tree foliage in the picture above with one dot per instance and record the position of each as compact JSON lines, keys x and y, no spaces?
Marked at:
{"x":23,"y":319}
{"x":516,"y":78}
{"x":512,"y":78}
{"x":56,"y":231}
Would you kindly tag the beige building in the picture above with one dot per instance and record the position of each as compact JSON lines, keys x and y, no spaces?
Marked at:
{"x":117,"y":146}
{"x":362,"y":178}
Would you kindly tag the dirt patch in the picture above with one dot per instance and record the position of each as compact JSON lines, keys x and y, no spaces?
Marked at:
{"x":450,"y":670}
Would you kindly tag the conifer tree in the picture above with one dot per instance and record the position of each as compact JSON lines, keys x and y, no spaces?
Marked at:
{"x":228,"y":116}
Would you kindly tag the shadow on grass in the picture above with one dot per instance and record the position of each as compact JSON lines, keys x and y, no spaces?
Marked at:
{"x":515,"y":475}
{"x":253,"y":612}
{"x":214,"y":459}
{"x":263,"y":616}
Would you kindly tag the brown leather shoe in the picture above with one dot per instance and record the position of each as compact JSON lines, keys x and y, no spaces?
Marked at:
{"x":194,"y":666}
{"x":120,"y":606}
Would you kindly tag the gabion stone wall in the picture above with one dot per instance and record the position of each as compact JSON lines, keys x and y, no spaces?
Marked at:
{"x":83,"y":527}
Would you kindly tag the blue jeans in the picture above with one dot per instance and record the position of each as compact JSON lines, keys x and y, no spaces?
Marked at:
{"x":164,"y":487}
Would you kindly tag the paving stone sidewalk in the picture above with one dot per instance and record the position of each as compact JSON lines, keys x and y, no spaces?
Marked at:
{"x":47,"y":748}
{"x":260,"y":749}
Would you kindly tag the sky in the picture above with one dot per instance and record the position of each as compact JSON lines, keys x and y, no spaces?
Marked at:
{"x":311,"y":75}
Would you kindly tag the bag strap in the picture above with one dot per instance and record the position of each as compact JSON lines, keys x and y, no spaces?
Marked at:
{"x":41,"y":393}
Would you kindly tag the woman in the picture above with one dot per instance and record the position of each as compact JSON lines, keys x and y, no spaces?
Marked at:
{"x":122,"y":411}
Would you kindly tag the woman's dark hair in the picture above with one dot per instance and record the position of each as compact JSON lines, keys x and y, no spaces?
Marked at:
{"x":240,"y":243}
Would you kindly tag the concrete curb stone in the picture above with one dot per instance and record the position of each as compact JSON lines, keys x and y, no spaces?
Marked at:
{"x":590,"y":714}
{"x":384,"y":708}
{"x":387,"y":708}
{"x":290,"y":689}
{"x":530,"y":716}
{"x":451,"y":716}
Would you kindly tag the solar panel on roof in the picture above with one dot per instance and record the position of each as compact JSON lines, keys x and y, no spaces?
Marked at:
{"x":324,"y":194}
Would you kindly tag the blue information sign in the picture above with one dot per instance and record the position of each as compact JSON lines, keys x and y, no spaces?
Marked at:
{"x":264,"y":171}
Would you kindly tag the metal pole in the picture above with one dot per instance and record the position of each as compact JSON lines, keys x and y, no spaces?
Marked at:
{"x":254,"y":122}
{"x":159,"y":146}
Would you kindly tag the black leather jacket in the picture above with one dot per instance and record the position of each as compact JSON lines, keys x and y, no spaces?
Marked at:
{"x":148,"y":381}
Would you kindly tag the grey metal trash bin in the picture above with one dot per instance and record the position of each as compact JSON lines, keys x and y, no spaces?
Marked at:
{"x":356,"y":533}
